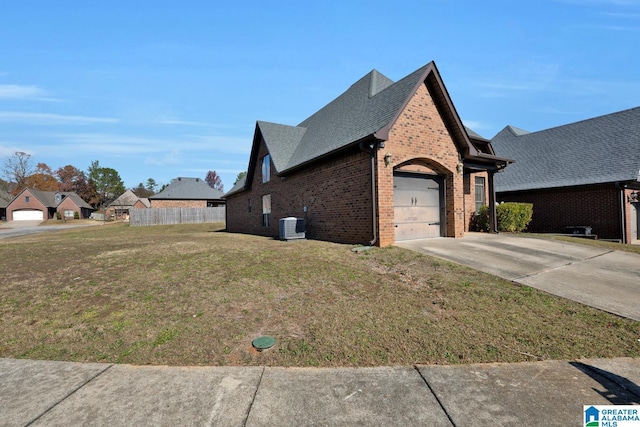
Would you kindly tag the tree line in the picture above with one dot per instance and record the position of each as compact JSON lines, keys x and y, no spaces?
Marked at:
{"x":98,"y":185}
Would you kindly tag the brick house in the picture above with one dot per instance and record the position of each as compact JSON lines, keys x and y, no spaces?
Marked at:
{"x":383,"y":162}
{"x":120,"y":207}
{"x":187,"y":193}
{"x":38,"y":205}
{"x":584,"y":174}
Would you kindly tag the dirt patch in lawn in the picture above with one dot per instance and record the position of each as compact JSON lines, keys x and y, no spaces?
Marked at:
{"x":195,"y":295}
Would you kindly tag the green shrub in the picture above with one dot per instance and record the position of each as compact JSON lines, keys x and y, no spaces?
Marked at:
{"x":76,"y":215}
{"x":514,"y":217}
{"x":58,"y":215}
{"x":481,"y":219}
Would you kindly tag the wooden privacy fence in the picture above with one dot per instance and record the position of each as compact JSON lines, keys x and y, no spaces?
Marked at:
{"x":165,"y":216}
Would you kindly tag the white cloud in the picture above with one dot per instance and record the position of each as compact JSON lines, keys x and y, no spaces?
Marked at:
{"x":11,"y":91}
{"x":18,"y":91}
{"x":173,"y":157}
{"x":8,"y":151}
{"x":44,"y":119}
{"x":475,"y":124}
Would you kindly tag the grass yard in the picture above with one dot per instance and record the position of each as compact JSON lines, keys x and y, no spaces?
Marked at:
{"x":194,"y":295}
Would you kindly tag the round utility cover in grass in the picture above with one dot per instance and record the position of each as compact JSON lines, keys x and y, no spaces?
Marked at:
{"x":262,"y":343}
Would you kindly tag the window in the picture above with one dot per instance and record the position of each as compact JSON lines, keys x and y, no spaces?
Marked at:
{"x":266,"y":209}
{"x":212,"y":204}
{"x":68,"y":213}
{"x":26,"y":199}
{"x":266,"y":168}
{"x":480,"y":193}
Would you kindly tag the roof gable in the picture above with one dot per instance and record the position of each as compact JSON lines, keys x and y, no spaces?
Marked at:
{"x":128,"y":198}
{"x":79,"y":202}
{"x":48,"y":198}
{"x":188,"y":189}
{"x":365,"y":111}
{"x":599,"y":150}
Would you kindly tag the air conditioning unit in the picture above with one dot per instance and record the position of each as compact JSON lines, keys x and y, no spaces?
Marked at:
{"x":292,"y":228}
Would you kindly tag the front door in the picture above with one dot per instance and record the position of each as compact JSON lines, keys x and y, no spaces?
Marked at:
{"x":417,"y":203}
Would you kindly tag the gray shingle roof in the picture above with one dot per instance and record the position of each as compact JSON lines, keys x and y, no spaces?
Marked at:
{"x":77,"y":199}
{"x":366,"y":110}
{"x":599,"y":150}
{"x":5,"y":198}
{"x":128,"y":198}
{"x":354,"y":115}
{"x":473,"y":134}
{"x":188,"y":189}
{"x":48,"y":198}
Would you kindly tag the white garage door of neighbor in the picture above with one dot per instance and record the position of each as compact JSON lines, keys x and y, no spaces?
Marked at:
{"x":28,"y":215}
{"x":416,"y":200}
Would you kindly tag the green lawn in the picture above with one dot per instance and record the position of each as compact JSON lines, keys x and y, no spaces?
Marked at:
{"x":195,"y":295}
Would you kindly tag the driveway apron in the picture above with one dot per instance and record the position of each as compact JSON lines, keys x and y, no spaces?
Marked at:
{"x":601,"y":278}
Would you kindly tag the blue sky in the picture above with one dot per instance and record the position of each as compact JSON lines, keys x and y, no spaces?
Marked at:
{"x":163,"y":89}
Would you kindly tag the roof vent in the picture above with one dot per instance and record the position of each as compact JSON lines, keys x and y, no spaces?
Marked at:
{"x":292,"y":228}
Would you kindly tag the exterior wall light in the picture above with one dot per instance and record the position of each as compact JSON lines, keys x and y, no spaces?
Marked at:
{"x":387,"y":159}
{"x":460,"y":168}
{"x":633,"y":197}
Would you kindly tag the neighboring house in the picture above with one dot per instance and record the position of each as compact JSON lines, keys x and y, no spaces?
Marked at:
{"x":5,"y":198}
{"x":383,"y":162}
{"x":584,"y":174}
{"x":39,"y":205}
{"x":187,"y":193}
{"x":120,"y":207}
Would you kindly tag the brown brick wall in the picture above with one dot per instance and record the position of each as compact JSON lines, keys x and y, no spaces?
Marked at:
{"x":336,"y":192}
{"x":469,"y":184}
{"x":68,"y":204}
{"x":555,"y":209}
{"x":20,"y":203}
{"x":178,"y":203}
{"x":419,"y":139}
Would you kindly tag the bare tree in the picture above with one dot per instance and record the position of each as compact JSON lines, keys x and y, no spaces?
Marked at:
{"x":17,"y":168}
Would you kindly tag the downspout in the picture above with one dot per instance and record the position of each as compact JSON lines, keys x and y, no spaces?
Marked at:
{"x":372,"y":150}
{"x":623,"y":216}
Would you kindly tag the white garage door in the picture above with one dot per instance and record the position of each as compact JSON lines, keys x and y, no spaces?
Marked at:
{"x":416,"y":200}
{"x":28,"y":215}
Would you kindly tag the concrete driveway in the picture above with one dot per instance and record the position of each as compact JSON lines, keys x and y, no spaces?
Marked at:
{"x":601,"y":278}
{"x":24,"y":228}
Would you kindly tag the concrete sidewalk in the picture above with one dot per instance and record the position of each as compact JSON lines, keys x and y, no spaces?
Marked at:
{"x":601,"y":278}
{"x":42,"y":393}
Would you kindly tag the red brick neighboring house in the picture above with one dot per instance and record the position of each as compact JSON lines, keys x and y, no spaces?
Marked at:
{"x":383,"y":162}
{"x":39,"y":205}
{"x":187,"y":193}
{"x":584,"y":174}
